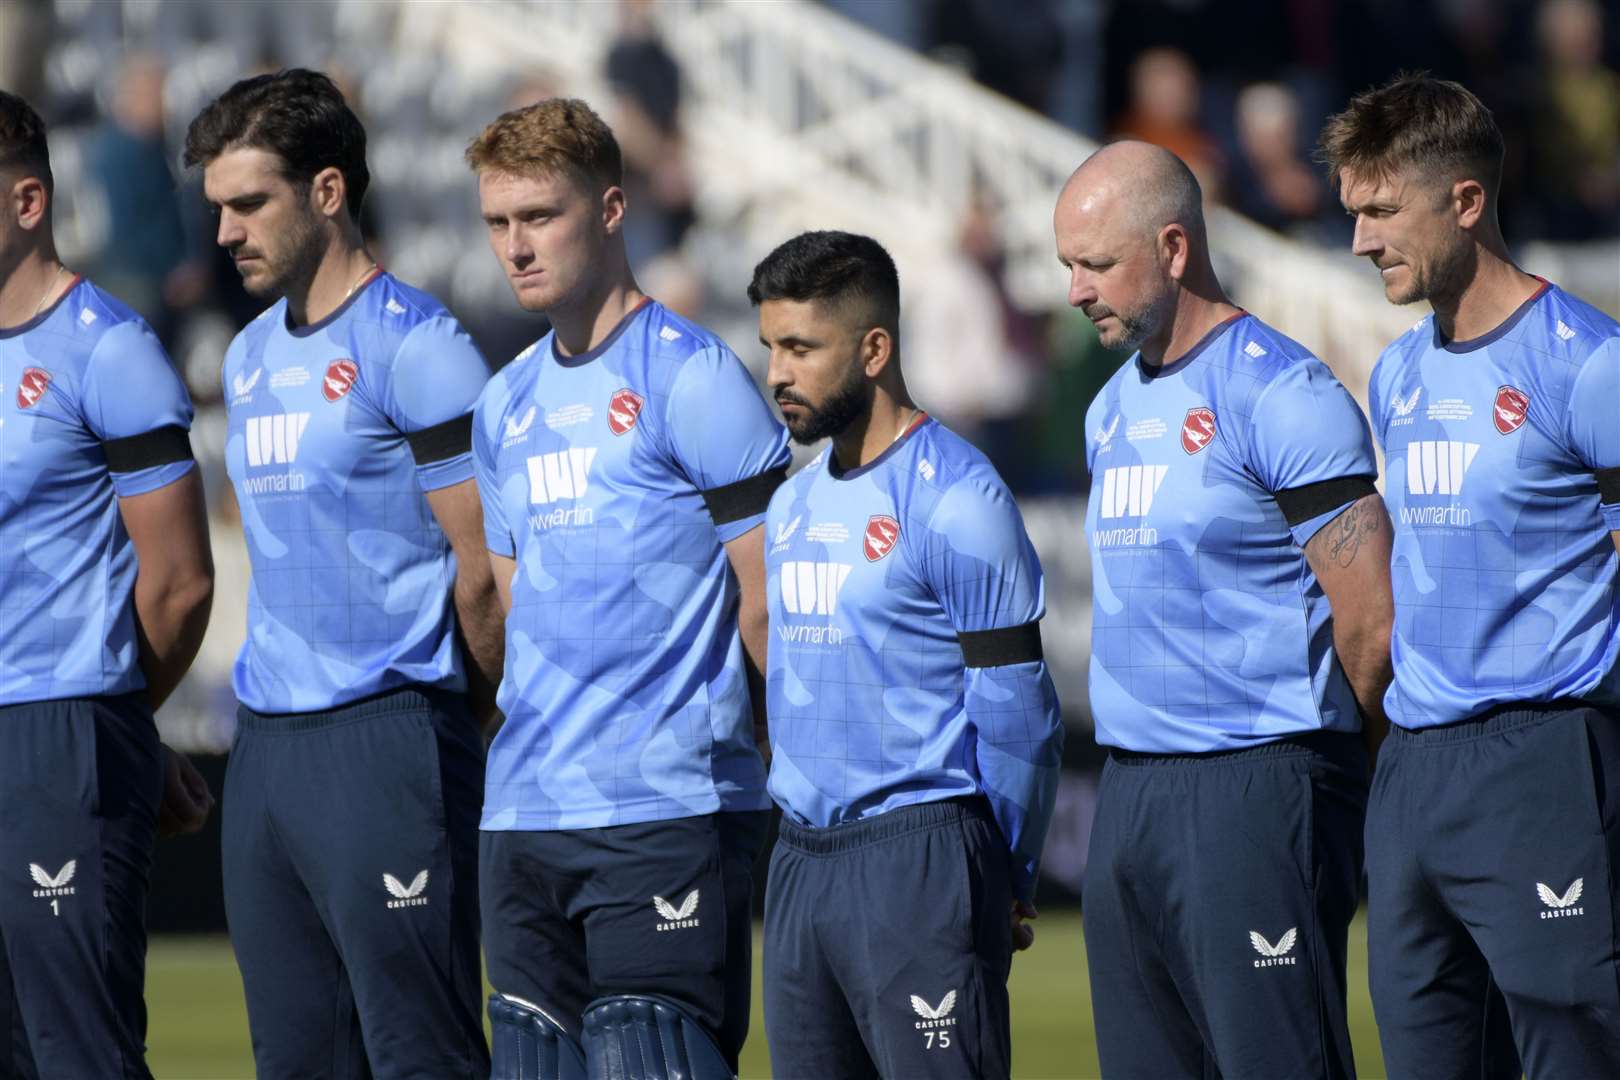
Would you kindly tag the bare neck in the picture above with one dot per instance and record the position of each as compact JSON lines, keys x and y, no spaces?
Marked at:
{"x":891,"y":415}
{"x":582,"y":326}
{"x":344,"y":267}
{"x":1196,"y":315}
{"x":30,"y":286}
{"x":1492,"y":292}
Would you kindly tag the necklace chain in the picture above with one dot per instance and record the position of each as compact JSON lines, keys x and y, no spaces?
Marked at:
{"x":907,"y":425}
{"x":48,"y":290}
{"x":369,"y":268}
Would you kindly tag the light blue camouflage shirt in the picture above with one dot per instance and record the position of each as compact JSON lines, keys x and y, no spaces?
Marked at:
{"x":613,"y":478}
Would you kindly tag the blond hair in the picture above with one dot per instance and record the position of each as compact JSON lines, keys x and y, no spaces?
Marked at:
{"x":555,"y":136}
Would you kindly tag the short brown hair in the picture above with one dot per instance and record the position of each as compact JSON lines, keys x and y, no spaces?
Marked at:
{"x":22,"y":139}
{"x":1434,"y":127}
{"x":558,"y":135}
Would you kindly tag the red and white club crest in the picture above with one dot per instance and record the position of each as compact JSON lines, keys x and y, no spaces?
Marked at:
{"x":32,"y":387}
{"x":340,"y":377}
{"x":623,"y":408}
{"x":882,"y":533}
{"x":1197,"y":429}
{"x":1509,"y":409}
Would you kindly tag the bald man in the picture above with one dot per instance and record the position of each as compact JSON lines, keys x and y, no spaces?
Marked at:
{"x":1240,"y":563}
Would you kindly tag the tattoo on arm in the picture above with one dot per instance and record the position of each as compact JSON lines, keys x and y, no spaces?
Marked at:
{"x":1340,"y":540}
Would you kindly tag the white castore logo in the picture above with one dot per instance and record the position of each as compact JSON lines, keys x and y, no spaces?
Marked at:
{"x":1405,"y":407}
{"x":677,"y":918}
{"x":1564,"y":333}
{"x":58,"y":884}
{"x":1437,"y":467}
{"x":244,"y":387}
{"x":934,"y":1021}
{"x":563,"y":474}
{"x":406,"y":895}
{"x":1253,"y":350}
{"x":812,"y":588}
{"x":934,"y":1012}
{"x":516,"y":429}
{"x":1562,"y":907}
{"x":785,"y":531}
{"x":1128,"y":490}
{"x":273,"y":440}
{"x":1274,"y":955}
{"x":1104,"y":434}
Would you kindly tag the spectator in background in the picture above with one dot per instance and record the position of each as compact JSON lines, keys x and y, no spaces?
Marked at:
{"x":1272,"y":182}
{"x":646,"y":83}
{"x":973,"y":352}
{"x":1164,"y":111}
{"x":1576,"y":161}
{"x":142,"y":257}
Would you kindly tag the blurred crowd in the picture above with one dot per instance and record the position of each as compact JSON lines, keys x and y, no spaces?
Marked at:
{"x":1236,"y":89}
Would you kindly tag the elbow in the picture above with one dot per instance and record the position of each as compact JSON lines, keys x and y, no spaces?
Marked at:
{"x":185,"y":594}
{"x":1366,"y":637}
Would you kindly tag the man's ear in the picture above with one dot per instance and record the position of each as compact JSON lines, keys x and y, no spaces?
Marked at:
{"x":329,"y":192}
{"x":1174,"y":250}
{"x":613,"y":207}
{"x":1469,"y":199}
{"x":29,"y":203}
{"x":877,"y":351}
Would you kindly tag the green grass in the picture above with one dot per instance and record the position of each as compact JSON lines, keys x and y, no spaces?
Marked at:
{"x":198,"y":1026}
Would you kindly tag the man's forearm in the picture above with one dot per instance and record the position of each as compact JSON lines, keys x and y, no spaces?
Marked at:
{"x":1364,"y":655}
{"x":753,"y":627}
{"x":171,"y":617}
{"x":483,"y":635}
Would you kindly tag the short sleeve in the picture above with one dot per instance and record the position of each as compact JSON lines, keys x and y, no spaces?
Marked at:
{"x":485,"y":447}
{"x":1306,"y":433}
{"x":726,"y":440}
{"x":979,"y":561}
{"x":1594,"y":425}
{"x":437,"y":376}
{"x":135,"y":402}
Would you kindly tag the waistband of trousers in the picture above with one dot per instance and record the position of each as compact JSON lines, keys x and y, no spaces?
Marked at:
{"x":1329,"y":743}
{"x":1510,"y":716}
{"x":832,"y":839}
{"x":406,"y":699}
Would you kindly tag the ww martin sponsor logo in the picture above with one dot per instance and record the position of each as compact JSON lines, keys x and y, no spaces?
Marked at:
{"x":1437,"y":467}
{"x":560,"y":477}
{"x":1127,"y":492}
{"x":811,"y":589}
{"x":272,"y":442}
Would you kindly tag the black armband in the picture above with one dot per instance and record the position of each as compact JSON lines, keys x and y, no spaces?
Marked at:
{"x":160,"y":446}
{"x":745,"y":498}
{"x":998,"y":648}
{"x":1302,"y":503}
{"x":441,"y":441}
{"x":1609,"y":485}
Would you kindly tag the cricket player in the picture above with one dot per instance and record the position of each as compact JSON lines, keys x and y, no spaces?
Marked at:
{"x":1240,"y":642}
{"x":915,"y":731}
{"x":105,"y":584}
{"x":1492,"y":837}
{"x":625,"y":461}
{"x":354,"y":784}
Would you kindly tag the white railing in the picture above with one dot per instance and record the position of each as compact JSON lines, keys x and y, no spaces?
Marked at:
{"x":798,"y":118}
